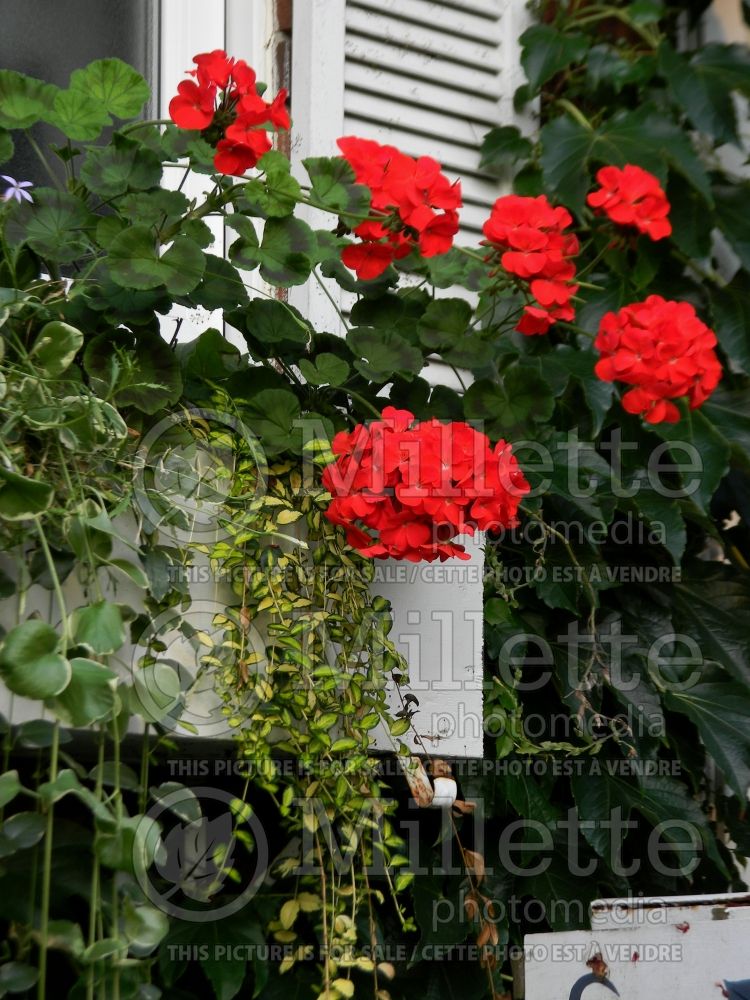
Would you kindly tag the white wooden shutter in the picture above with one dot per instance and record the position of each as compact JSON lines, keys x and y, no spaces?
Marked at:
{"x":429,"y":76}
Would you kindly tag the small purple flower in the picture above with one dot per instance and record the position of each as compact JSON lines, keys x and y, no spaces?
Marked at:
{"x":15,"y":189}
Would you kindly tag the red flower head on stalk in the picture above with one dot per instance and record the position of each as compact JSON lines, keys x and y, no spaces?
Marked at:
{"x":631,"y":196}
{"x":223,"y":98}
{"x":405,"y":489}
{"x":416,"y":205}
{"x":528,"y":235}
{"x":664,"y":351}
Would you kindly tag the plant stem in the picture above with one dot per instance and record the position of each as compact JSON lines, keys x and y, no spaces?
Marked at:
{"x":47,"y":872}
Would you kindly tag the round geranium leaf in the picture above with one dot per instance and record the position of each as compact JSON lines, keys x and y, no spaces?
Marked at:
{"x":135,"y":262}
{"x":55,"y":225}
{"x":122,"y":165}
{"x":23,"y":100}
{"x":120,"y":90}
{"x":77,"y":115}
{"x":29,"y":663}
{"x":6,"y":146}
{"x":326,"y":369}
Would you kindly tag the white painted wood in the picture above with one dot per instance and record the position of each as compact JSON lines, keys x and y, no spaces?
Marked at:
{"x":437,"y":625}
{"x":686,"y":948}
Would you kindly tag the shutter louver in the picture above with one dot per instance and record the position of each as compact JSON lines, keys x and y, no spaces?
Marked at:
{"x":428,"y":77}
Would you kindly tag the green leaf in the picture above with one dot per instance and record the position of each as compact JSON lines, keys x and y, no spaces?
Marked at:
{"x":381,"y":353}
{"x":285,"y":253}
{"x":661,"y":513}
{"x":334,"y":187}
{"x":221,"y":286}
{"x":156,"y":691}
{"x":16,"y":977}
{"x":115,"y":85}
{"x":6,"y":146}
{"x":714,"y":608}
{"x":546,"y":51}
{"x":277,"y":194}
{"x":711,"y":448}
{"x":275,"y":412}
{"x":140,"y":370}
{"x":29,"y":663}
{"x":720,"y":710}
{"x":731,"y":320}
{"x":444,"y":322}
{"x":691,"y":222}
{"x":78,"y":115}
{"x":135,"y":262}
{"x":23,"y":100}
{"x":644,"y":137}
{"x":326,"y":369}
{"x":502,"y":146}
{"x":706,"y":99}
{"x":54,"y":225}
{"x":10,"y":786}
{"x":271,"y":328}
{"x":21,"y":497}
{"x":55,"y":347}
{"x":605,"y":66}
{"x":733,"y":220}
{"x":122,"y":165}
{"x":144,"y":926}
{"x":89,"y":696}
{"x":729,"y":412}
{"x":99,"y":626}
{"x":21,"y":831}
{"x":524,"y":398}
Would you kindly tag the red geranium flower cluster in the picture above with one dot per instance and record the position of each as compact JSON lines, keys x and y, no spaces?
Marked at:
{"x":529,"y":233}
{"x":223,"y":95}
{"x":631,"y":196}
{"x":405,"y":489}
{"x":418,"y":202}
{"x":664,"y":351}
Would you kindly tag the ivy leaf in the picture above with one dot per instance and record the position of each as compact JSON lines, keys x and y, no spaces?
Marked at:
{"x":23,"y":100}
{"x":77,"y":115}
{"x":732,"y":217}
{"x":731,"y":320}
{"x":29,"y":662}
{"x":546,"y":51}
{"x":54,"y":225}
{"x":704,"y":84}
{"x":380,"y":354}
{"x":334,"y":187}
{"x":660,"y":512}
{"x":325,"y":369}
{"x":502,"y":146}
{"x":707,"y":443}
{"x":714,"y":608}
{"x":644,"y":137}
{"x":122,"y":165}
{"x":729,"y":412}
{"x":89,"y":696}
{"x":285,"y":253}
{"x":134,"y":262}
{"x":691,"y":223}
{"x":720,"y":711}
{"x":120,"y":90}
{"x":22,"y":497}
